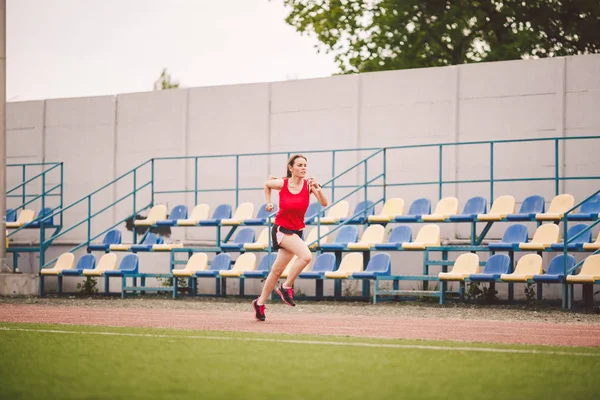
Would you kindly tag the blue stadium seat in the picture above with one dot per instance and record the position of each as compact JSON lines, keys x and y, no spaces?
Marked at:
{"x":497,"y":265}
{"x":129,"y":265}
{"x":589,"y":210}
{"x":555,"y":273}
{"x":44,"y":213}
{"x":150,"y":240}
{"x":513,"y":235}
{"x":324,"y":263}
{"x":531,"y":206}
{"x":261,"y":217}
{"x":577,"y":244}
{"x":112,"y":237}
{"x":87,"y":261}
{"x":223,"y":211}
{"x":178,"y":212}
{"x":379,"y":265}
{"x":245,"y":235}
{"x":222,"y":262}
{"x":473,"y":207}
{"x":417,"y":209}
{"x":312,"y":211}
{"x":400,"y":234}
{"x":360,"y":208}
{"x":11,"y":215}
{"x":263,"y":268}
{"x":346,"y":234}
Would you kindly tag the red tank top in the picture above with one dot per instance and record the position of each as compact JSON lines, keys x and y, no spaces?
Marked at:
{"x":292,"y":207}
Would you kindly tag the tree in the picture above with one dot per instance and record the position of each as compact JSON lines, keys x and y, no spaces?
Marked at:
{"x":376,"y":35}
{"x":164,"y":82}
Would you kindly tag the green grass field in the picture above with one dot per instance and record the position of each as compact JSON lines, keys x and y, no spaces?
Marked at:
{"x":83,"y":362}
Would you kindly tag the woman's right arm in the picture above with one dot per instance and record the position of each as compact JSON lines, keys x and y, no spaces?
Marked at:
{"x":276,"y":184}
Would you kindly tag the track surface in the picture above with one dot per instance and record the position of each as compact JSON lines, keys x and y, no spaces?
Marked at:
{"x":486,"y":331}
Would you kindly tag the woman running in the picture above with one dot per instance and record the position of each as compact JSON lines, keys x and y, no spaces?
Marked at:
{"x":286,"y":235}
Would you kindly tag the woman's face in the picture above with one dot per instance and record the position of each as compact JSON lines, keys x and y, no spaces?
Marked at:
{"x":299,"y":167}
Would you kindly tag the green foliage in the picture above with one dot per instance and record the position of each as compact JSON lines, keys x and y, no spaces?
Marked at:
{"x":376,"y":35}
{"x":89,"y":286}
{"x":530,"y":295}
{"x":481,"y":295}
{"x":164,"y":82}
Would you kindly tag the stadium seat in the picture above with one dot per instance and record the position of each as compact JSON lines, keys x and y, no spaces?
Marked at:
{"x":400,"y":234}
{"x":530,"y":207}
{"x":261,"y":217}
{"x":243,"y":212}
{"x":158,"y":212}
{"x":222,"y":262}
{"x":429,"y":235}
{"x":360,"y":208}
{"x":11,"y":215}
{"x":87,"y":261}
{"x":313,"y":235}
{"x":107,"y":262}
{"x":179,"y":212}
{"x":312,"y":211}
{"x":497,"y":265}
{"x":513,"y":236}
{"x":245,"y":262}
{"x":556,"y":269}
{"x":501,"y":207}
{"x":323,"y":263}
{"x":379,"y":265}
{"x":372,"y":235}
{"x":337,"y":211}
{"x":129,"y":265}
{"x":47,"y":211}
{"x":590,"y":271}
{"x":199,"y":213}
{"x":576,"y":244}
{"x":263,"y":267}
{"x":443,"y":210}
{"x":464,"y":266}
{"x":149,"y":241}
{"x":223,"y":211}
{"x":245,"y":235}
{"x":589,"y":210}
{"x":527,"y":267}
{"x":261,"y":243}
{"x":347,"y":234}
{"x":65,"y":261}
{"x":473,"y":207}
{"x":543,"y":238}
{"x":197,"y":262}
{"x":112,"y":237}
{"x":351,"y":263}
{"x":558,"y":207}
{"x":391,"y":209}
{"x":25,"y":217}
{"x":418,"y":208}
{"x":594,"y":245}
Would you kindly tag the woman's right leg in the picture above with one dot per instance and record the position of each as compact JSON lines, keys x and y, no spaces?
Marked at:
{"x":282,"y":260}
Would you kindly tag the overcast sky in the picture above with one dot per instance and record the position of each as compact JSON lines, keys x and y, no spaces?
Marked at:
{"x":74,"y":48}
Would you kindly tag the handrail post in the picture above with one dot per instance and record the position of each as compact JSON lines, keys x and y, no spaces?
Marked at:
{"x":237,"y":180}
{"x":440,"y":173}
{"x":23,"y":188}
{"x":152,"y":180}
{"x":89,"y":227}
{"x":62,"y":177}
{"x":333,"y":175}
{"x":195,"y":181}
{"x":565,"y":285}
{"x":365,"y":190}
{"x":384,"y":175}
{"x":491,"y":172}
{"x":556,"y":169}
{"x":134,"y":205}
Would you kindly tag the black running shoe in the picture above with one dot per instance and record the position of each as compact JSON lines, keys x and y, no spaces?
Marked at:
{"x":259,"y":310}
{"x":287,"y":295}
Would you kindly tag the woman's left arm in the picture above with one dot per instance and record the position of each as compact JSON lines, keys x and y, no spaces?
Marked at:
{"x":316,"y":189}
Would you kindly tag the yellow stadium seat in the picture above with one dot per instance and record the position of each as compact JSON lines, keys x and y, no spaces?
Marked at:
{"x":65,"y":261}
{"x":244,"y":211}
{"x":391,"y":209}
{"x":429,"y":235}
{"x":543,"y":238}
{"x":558,"y":206}
{"x":199,"y":213}
{"x":157,"y":213}
{"x":245,"y":262}
{"x":527,"y":266}
{"x":371,"y":236}
{"x":465,"y":265}
{"x":590,"y":271}
{"x":351,"y":263}
{"x":197,"y":262}
{"x":443,"y":210}
{"x":107,"y":262}
{"x":502,"y":206}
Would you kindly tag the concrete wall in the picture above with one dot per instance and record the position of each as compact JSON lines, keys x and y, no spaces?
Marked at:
{"x":101,"y":138}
